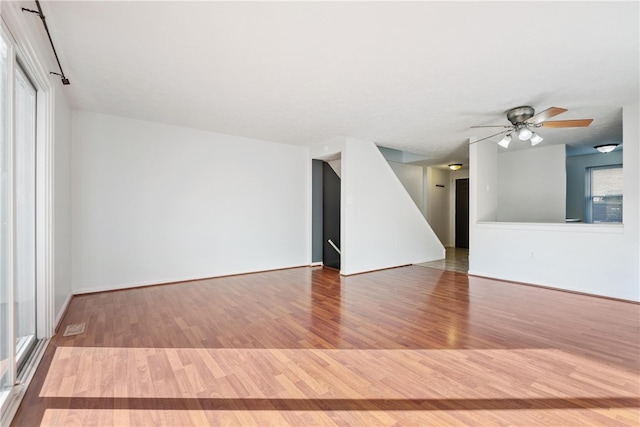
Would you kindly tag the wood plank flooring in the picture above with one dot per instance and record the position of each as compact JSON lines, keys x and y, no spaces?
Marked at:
{"x":405,"y":346}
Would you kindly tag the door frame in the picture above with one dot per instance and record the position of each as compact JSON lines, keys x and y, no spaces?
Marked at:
{"x":313,"y":236}
{"x":20,"y":39}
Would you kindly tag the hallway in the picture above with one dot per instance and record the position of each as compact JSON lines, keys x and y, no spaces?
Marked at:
{"x":457,"y":259}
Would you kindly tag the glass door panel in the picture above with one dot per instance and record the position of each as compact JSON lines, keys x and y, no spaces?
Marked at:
{"x":18,"y":220}
{"x":25,"y":214}
{"x":6,"y":367}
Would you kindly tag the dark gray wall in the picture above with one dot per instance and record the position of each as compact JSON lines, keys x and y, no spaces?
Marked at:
{"x":330,"y":216}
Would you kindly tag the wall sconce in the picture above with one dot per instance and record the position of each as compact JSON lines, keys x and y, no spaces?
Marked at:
{"x":606,"y":148}
{"x":455,"y":166}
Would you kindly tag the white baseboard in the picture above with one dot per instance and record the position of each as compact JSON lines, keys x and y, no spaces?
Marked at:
{"x":118,"y":287}
{"x":63,"y":310}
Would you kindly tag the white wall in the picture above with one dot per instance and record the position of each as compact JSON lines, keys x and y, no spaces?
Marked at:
{"x":155,"y":203}
{"x":532,"y":185}
{"x":62,"y":204}
{"x":411,"y":178}
{"x":382,"y":226}
{"x":597,"y":259}
{"x":438,"y":192}
{"x":483,"y":182}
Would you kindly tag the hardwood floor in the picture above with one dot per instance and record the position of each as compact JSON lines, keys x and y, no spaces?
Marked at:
{"x":405,"y":346}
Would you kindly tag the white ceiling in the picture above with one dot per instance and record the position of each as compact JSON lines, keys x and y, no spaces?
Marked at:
{"x":412,"y":76}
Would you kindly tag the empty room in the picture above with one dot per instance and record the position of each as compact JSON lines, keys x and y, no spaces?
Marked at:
{"x":327,"y":213}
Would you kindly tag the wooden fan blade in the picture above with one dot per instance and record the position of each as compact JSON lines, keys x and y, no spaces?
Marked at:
{"x":490,"y":136}
{"x":568,"y":123}
{"x":545,"y":115}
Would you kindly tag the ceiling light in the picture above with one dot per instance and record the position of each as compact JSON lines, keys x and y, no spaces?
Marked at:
{"x":524,"y":134}
{"x":606,"y":148}
{"x":536,"y":139}
{"x":455,"y":166}
{"x":504,"y":142}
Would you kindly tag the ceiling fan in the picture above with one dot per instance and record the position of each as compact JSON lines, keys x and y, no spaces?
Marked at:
{"x":524,"y":121}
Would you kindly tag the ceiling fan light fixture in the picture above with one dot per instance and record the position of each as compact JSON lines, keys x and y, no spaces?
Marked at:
{"x":524,"y":120}
{"x":524,"y":133}
{"x":536,"y":139}
{"x":455,"y":166}
{"x":606,"y":148}
{"x":504,"y":142}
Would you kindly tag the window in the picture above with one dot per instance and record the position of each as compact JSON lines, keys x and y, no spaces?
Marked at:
{"x":604,"y":194}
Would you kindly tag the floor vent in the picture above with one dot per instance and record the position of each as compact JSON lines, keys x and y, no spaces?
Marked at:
{"x":74,"y":329}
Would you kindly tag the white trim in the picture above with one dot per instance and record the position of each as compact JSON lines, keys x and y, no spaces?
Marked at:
{"x":512,"y":281}
{"x":10,"y":220}
{"x":44,"y":219}
{"x":23,"y":38}
{"x":310,"y":209}
{"x":561,"y":227}
{"x":63,"y":311}
{"x":118,"y":287}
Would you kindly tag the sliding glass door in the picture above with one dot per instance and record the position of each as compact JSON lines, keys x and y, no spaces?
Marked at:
{"x":25,"y":214}
{"x":6,"y":327}
{"x":18,"y":216}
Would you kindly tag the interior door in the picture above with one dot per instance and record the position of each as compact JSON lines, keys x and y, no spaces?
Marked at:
{"x":462,"y":213}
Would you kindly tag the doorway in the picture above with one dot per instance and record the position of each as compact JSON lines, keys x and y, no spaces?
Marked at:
{"x":330,"y":217}
{"x":326,"y":201}
{"x":21,"y":206}
{"x":462,"y":213}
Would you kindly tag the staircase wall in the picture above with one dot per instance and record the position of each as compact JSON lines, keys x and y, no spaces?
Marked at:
{"x":381,"y":225}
